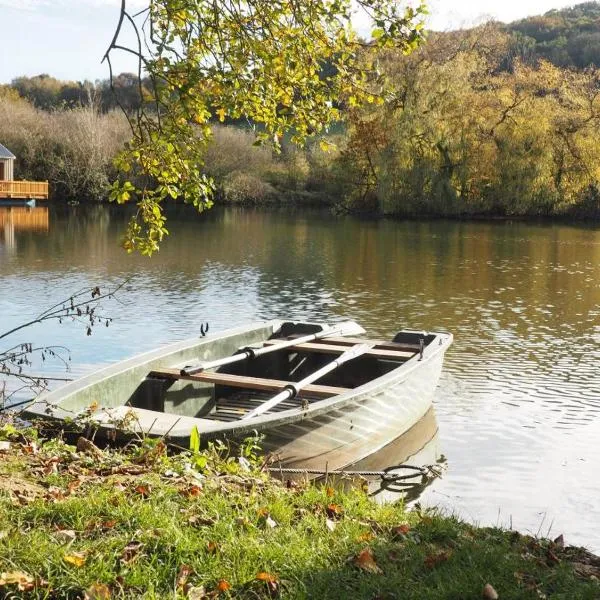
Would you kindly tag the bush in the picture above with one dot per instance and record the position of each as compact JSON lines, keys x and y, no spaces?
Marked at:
{"x":71,"y":148}
{"x":241,"y":187}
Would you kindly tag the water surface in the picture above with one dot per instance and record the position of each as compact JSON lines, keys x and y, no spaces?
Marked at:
{"x":518,"y":405}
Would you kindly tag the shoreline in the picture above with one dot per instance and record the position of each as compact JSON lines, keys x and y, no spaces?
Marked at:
{"x":78,"y":521}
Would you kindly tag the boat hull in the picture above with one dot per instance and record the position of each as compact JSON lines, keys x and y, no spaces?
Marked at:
{"x":330,"y":433}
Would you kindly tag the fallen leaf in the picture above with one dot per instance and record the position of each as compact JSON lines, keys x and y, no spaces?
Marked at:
{"x":97,"y":591}
{"x":192,"y":491}
{"x":330,"y":492}
{"x":143,"y":490}
{"x":367,"y":536}
{"x":131,"y":551}
{"x":76,"y":558}
{"x":264,"y":576}
{"x":401,"y":530}
{"x":65,"y":535}
{"x":109,"y":524}
{"x":334,"y":511}
{"x":270,"y":581}
{"x":435,"y":559}
{"x":24,"y":581}
{"x":199,"y":521}
{"x":366,"y":562}
{"x":331,"y":525}
{"x":211,"y":547}
{"x":223,"y":585}
{"x":196,"y":593}
{"x":489,"y":593}
{"x":270,"y":522}
{"x":88,"y":447}
{"x":183,"y":575}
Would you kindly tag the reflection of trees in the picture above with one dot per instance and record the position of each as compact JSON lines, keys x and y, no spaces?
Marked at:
{"x":423,"y":270}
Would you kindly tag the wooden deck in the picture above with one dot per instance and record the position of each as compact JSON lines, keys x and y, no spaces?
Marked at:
{"x":37,"y":190}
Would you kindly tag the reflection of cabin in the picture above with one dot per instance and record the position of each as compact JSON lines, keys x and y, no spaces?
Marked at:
{"x":27,"y":190}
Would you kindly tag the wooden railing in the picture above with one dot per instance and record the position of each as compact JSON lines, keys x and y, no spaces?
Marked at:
{"x":24,"y":189}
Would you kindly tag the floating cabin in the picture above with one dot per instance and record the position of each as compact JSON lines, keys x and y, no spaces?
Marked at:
{"x":18,"y":190}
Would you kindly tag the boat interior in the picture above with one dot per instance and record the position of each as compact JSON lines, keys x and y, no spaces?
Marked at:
{"x":230,"y":392}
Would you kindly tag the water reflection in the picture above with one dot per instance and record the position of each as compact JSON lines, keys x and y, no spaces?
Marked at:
{"x":20,"y":219}
{"x":419,"y":447}
{"x":519,"y":399}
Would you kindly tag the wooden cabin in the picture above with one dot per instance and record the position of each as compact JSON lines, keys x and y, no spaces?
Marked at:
{"x":18,"y":190}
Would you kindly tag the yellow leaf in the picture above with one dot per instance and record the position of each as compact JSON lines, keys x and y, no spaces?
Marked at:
{"x":221,"y":114}
{"x":76,"y":558}
{"x":97,"y":591}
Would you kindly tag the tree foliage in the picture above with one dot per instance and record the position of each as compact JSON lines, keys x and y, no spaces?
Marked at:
{"x":569,"y":37}
{"x":259,"y":60}
{"x":466,"y":136}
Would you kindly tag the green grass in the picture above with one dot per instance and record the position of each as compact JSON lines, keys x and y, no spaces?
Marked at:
{"x":138,"y":523}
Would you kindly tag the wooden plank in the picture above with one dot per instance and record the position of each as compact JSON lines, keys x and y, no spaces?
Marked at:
{"x":350,"y":341}
{"x":322,"y":348}
{"x":251,"y":383}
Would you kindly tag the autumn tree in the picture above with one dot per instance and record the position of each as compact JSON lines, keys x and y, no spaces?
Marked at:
{"x":283,"y":66}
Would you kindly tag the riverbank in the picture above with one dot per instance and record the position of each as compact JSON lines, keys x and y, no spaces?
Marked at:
{"x":82,"y":522}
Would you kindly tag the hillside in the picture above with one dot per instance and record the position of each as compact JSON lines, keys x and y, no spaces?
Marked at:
{"x":568,"y":38}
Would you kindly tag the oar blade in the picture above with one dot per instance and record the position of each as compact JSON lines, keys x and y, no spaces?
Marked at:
{"x":349,"y":329}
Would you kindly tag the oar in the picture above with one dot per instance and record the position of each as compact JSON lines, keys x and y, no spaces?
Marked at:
{"x":348,"y":328}
{"x":292,"y":390}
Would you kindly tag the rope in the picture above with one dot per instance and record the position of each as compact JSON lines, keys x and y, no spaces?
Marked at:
{"x":387,"y":475}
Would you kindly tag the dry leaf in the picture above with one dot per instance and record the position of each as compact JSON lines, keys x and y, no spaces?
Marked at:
{"x":24,"y":581}
{"x":401,"y":530}
{"x":196,"y":593}
{"x":435,"y":559}
{"x":560,"y":541}
{"x":142,"y":490}
{"x":330,"y":492}
{"x":223,"y":585}
{"x":366,"y":562}
{"x":184,"y":572}
{"x":76,"y":558}
{"x":98,"y":591}
{"x":489,"y":593}
{"x":87,"y":446}
{"x":131,"y":551}
{"x":270,"y":522}
{"x":192,"y":491}
{"x":367,"y":536}
{"x":334,"y":511}
{"x":65,"y":535}
{"x":266,"y":577}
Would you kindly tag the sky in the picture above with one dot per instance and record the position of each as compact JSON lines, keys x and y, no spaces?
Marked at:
{"x":67,"y":38}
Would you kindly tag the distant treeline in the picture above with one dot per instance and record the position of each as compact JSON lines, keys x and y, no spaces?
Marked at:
{"x":46,"y":92}
{"x":487,"y":121}
{"x":567,"y":38}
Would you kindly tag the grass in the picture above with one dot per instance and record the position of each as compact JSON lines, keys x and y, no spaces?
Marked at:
{"x":140,"y":523}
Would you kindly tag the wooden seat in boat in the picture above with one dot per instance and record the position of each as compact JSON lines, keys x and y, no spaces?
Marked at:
{"x":322,"y":347}
{"x":251,"y":383}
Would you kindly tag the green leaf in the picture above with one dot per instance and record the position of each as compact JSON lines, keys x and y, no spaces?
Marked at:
{"x":195,"y":440}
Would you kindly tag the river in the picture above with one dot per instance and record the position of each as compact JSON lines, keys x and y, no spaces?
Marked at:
{"x":518,"y":406}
